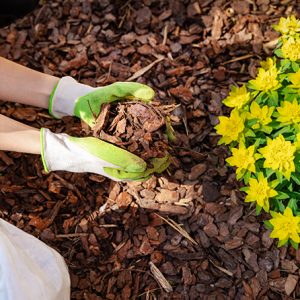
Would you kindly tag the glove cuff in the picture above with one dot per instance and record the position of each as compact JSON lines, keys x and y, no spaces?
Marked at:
{"x":64,"y":96}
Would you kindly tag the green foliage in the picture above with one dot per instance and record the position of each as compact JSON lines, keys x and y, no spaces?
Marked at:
{"x":265,"y":138}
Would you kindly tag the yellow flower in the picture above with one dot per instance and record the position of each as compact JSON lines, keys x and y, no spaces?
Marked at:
{"x":238,"y":97}
{"x":289,"y":112}
{"x":279,"y":156}
{"x":291,"y":48}
{"x":266,"y":80}
{"x":288,"y":26}
{"x":268,"y":64}
{"x":294,"y":78}
{"x":230,"y":127}
{"x":285,"y":226}
{"x":243,"y":159}
{"x":263,"y":114}
{"x":259,"y":191}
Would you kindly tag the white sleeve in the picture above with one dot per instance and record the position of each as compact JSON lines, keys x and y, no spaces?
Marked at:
{"x":67,"y":91}
{"x":29,"y":269}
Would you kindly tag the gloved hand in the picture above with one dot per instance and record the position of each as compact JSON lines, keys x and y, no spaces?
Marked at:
{"x":71,"y":98}
{"x":89,"y":154}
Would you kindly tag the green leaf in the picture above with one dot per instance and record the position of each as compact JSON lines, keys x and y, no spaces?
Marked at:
{"x":247,"y":177}
{"x":251,"y":122}
{"x":266,"y":129}
{"x":244,"y":188}
{"x":292,"y":204}
{"x":279,"y":204}
{"x":279,"y":176}
{"x":282,"y":196}
{"x":249,"y":133}
{"x":254,"y":94}
{"x":278,"y":52}
{"x":295,"y":179}
{"x":295,"y":245}
{"x":261,"y":98}
{"x":284,"y":64}
{"x":282,"y":243}
{"x":269,"y":172}
{"x":295,"y":66}
{"x":170,"y":132}
{"x":268,"y":225}
{"x":259,"y":142}
{"x":283,"y":130}
{"x":273,"y":100}
{"x":258,"y":209}
{"x":297,"y":163}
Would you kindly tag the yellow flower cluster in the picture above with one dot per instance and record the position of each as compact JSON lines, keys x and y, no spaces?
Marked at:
{"x":266,"y":80}
{"x":279,"y":156}
{"x":285,"y":226}
{"x":263,"y":133}
{"x":259,"y":191}
{"x":230,"y":128}
{"x":291,"y":48}
{"x":288,"y":26}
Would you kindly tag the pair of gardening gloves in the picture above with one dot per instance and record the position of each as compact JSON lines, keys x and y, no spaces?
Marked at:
{"x":89,"y":154}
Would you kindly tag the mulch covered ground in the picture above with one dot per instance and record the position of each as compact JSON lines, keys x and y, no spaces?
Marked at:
{"x":191,"y":222}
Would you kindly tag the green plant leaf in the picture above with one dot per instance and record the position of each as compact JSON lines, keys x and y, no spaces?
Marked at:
{"x":249,"y":133}
{"x":295,"y":245}
{"x":292,"y":204}
{"x":268,"y":225}
{"x":258,"y":209}
{"x":282,"y":243}
{"x":284,"y":65}
{"x":278,"y":52}
{"x":273,"y":98}
{"x":279,"y":205}
{"x":295,"y":66}
{"x":269,"y":172}
{"x":282,"y":196}
{"x":295,"y":179}
{"x":247,"y":176}
{"x":279,"y":176}
{"x":283,"y":130}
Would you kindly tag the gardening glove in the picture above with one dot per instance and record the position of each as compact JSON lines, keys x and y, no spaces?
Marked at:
{"x":70,"y":98}
{"x":89,"y":154}
{"x":158,"y":165}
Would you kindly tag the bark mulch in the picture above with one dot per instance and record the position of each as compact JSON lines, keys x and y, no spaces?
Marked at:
{"x":186,"y":234}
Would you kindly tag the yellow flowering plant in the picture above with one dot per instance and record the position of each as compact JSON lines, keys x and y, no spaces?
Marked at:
{"x":263,"y":135}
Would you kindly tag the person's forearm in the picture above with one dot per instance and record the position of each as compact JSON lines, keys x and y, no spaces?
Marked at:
{"x":18,"y":137}
{"x":23,"y":85}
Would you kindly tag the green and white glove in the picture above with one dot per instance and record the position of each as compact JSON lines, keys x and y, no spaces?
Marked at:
{"x":88,"y":154}
{"x":71,"y":98}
